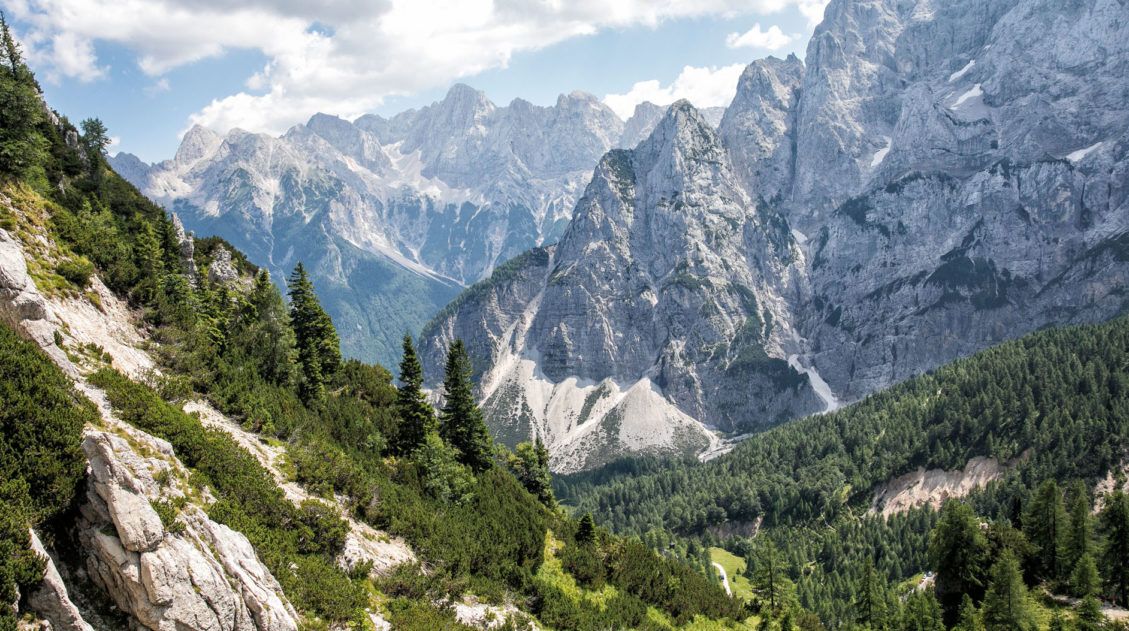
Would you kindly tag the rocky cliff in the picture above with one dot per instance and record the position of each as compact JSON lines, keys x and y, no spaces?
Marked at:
{"x":936,"y":178}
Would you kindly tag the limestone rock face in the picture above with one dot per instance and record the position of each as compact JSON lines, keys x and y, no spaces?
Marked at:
{"x":50,"y":599}
{"x":662,"y":309}
{"x":939,"y":177}
{"x":202,"y":576}
{"x":22,"y":307}
{"x":222,"y":270}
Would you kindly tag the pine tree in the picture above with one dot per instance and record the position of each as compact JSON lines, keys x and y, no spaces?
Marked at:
{"x":1006,"y":604}
{"x":1114,"y":560}
{"x":1058,"y":623}
{"x":417,"y":417}
{"x":461,"y":423}
{"x":769,"y":579}
{"x":922,"y":612}
{"x":958,"y":550}
{"x":1088,"y":615}
{"x":969,"y":619}
{"x":150,"y":261}
{"x":1084,"y":581}
{"x":529,"y":463}
{"x":21,"y":109}
{"x":319,"y":350}
{"x":586,"y":530}
{"x":1045,"y":525}
{"x":1079,"y":533}
{"x":870,"y":606}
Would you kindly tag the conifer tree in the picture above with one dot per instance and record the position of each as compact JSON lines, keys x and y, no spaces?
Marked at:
{"x":417,"y":417}
{"x":529,"y":463}
{"x":150,"y":261}
{"x":461,"y":423}
{"x":264,"y":333}
{"x":968,"y":618}
{"x":769,"y":579}
{"x":870,"y":606}
{"x":1006,"y":604}
{"x":1114,"y":560}
{"x":1084,"y":581}
{"x":319,"y":350}
{"x":586,"y":530}
{"x":1045,"y":524}
{"x":1079,"y":535}
{"x":958,"y":550}
{"x":922,"y":612}
{"x":21,"y":109}
{"x":1088,"y":614}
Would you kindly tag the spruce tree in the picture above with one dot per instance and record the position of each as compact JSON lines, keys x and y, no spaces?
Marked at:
{"x":958,"y":551}
{"x":1114,"y":560}
{"x":1088,"y":615}
{"x":968,"y":618}
{"x":1084,"y":581}
{"x":1079,"y":533}
{"x":586,"y":530}
{"x":417,"y":417}
{"x":870,"y":606}
{"x":461,"y":423}
{"x":21,"y":109}
{"x":922,"y":612}
{"x":1006,"y":604}
{"x":319,"y":350}
{"x":770,"y":581}
{"x":1045,"y":524}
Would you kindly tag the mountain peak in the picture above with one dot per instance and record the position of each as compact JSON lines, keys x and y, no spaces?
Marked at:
{"x":198,"y":142}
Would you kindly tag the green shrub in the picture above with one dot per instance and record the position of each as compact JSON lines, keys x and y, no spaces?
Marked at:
{"x":77,"y":271}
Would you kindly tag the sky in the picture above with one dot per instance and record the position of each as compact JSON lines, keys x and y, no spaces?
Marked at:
{"x":150,"y":69}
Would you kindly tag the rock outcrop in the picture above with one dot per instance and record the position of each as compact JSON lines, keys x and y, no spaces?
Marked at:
{"x":50,"y":599}
{"x":196,"y":575}
{"x":222,"y":270}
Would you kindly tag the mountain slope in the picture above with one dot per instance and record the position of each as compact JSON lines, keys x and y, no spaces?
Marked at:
{"x":667,"y":288}
{"x":933,"y":180}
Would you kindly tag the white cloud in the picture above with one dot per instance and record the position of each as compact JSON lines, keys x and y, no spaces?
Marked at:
{"x":812,"y":10}
{"x":338,"y":56}
{"x":772,"y":39}
{"x":160,"y":85}
{"x":704,"y":87}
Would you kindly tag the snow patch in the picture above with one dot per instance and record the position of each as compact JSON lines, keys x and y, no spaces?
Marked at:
{"x":975,"y":92}
{"x":963,"y":71}
{"x":1076,"y":156}
{"x":800,"y":237}
{"x":880,"y":155}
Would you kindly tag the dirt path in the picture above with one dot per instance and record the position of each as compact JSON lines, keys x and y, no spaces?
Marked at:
{"x":724,"y":579}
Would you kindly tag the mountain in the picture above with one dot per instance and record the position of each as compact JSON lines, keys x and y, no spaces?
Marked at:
{"x":182,"y":450}
{"x":662,"y":308}
{"x":936,"y":179}
{"x":392,"y":216}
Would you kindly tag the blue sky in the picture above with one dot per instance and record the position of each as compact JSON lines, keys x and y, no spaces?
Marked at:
{"x":151,"y":68}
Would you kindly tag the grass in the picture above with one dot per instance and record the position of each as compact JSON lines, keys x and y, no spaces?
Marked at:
{"x":553,"y":572}
{"x":734,"y":569}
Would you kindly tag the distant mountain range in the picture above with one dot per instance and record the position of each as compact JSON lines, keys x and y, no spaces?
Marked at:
{"x":393,"y":216}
